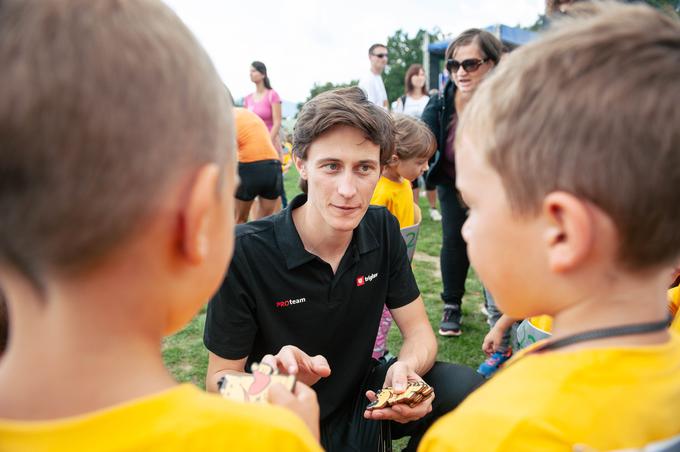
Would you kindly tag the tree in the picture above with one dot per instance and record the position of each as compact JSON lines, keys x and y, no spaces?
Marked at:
{"x":318,"y":89}
{"x":552,"y":5}
{"x":665,"y":4}
{"x":403,"y":52}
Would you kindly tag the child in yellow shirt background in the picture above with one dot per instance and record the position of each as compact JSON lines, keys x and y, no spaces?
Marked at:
{"x":414,"y":145}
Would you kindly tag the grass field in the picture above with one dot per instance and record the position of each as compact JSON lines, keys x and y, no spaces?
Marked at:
{"x":186,"y":357}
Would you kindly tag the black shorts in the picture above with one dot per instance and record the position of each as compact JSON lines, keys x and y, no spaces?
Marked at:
{"x":262,"y":178}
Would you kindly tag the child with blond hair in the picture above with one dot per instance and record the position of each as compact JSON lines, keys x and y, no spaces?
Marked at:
{"x":567,"y":157}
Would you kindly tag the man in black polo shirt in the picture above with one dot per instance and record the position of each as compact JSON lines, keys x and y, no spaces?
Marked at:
{"x":306,"y":287}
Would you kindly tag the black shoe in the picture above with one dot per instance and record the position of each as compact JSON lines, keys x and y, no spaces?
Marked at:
{"x":450,"y":324}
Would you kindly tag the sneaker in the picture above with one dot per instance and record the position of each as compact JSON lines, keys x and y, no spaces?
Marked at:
{"x":493,"y":363}
{"x":435,"y":215}
{"x":450,"y":324}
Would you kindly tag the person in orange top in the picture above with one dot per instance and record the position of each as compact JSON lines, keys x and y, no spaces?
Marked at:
{"x":259,"y":167}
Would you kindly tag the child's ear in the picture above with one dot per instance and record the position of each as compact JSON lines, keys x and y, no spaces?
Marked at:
{"x":570,"y":231}
{"x":202,"y":199}
{"x":301,"y":166}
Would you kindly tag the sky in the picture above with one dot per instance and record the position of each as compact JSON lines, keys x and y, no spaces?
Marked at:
{"x":303,"y":42}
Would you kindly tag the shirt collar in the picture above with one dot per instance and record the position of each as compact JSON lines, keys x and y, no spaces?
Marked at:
{"x":290,"y":243}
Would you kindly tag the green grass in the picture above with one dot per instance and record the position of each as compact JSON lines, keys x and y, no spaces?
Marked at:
{"x":187,"y":359}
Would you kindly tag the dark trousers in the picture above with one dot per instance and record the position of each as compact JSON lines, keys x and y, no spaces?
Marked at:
{"x":453,"y":257}
{"x":348,"y":430}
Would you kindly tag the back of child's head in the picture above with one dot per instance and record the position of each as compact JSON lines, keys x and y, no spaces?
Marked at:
{"x":591,"y":108}
{"x":413,"y":139}
{"x":105,"y":105}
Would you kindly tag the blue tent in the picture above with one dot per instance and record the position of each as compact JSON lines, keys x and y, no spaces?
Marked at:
{"x":508,"y":35}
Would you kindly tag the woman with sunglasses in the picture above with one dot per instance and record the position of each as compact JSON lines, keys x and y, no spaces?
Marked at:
{"x":469,"y":58}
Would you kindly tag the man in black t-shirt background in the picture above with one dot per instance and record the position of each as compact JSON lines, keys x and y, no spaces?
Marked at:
{"x":306,"y":286}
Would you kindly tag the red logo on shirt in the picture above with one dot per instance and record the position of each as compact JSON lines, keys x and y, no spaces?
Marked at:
{"x":291,"y":302}
{"x":361,"y":280}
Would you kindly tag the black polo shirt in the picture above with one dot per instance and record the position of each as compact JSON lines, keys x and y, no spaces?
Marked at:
{"x":276,"y":293}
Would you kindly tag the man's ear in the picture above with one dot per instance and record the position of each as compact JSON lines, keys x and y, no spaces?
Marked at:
{"x":201,"y":202}
{"x":570,"y":230}
{"x":301,"y":166}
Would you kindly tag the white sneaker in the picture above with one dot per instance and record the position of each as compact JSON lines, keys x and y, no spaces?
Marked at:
{"x":435,"y":215}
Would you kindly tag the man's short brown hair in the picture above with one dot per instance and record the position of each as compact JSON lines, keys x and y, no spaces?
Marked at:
{"x":591,"y":108}
{"x":343,"y":107}
{"x":104,"y":106}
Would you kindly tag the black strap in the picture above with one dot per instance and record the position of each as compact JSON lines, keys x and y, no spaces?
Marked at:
{"x":625,"y":330}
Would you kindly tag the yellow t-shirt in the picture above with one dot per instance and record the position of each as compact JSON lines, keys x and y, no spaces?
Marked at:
{"x":603,"y":398}
{"x":397,"y":197}
{"x":180,"y":419}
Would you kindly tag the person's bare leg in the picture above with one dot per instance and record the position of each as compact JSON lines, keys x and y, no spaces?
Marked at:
{"x":416,"y":192}
{"x":255,"y":208}
{"x":432,"y":198}
{"x":266,"y":207}
{"x":242,"y":210}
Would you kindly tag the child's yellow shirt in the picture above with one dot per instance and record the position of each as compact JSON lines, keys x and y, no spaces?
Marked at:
{"x":397,"y":197}
{"x":599,"y":399}
{"x":180,"y":419}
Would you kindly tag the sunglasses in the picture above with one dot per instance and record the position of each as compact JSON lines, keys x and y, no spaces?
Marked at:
{"x":380,"y":55}
{"x":469,"y":65}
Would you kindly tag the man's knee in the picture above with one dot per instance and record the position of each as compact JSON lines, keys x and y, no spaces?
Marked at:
{"x":452,"y":383}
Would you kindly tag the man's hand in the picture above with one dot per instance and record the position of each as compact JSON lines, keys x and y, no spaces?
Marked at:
{"x":398,"y":376}
{"x":293,"y":361}
{"x":302,"y":401}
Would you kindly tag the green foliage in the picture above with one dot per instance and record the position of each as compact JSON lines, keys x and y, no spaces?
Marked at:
{"x":403,"y":52}
{"x":318,"y":89}
{"x":665,"y":4}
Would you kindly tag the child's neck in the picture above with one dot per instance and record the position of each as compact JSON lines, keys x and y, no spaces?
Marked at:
{"x":390,"y":172}
{"x":630,"y":303}
{"x":63,"y":361}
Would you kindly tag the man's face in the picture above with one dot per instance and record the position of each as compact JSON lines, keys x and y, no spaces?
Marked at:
{"x":503,"y":248}
{"x":342,"y":169}
{"x":378,"y":59}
